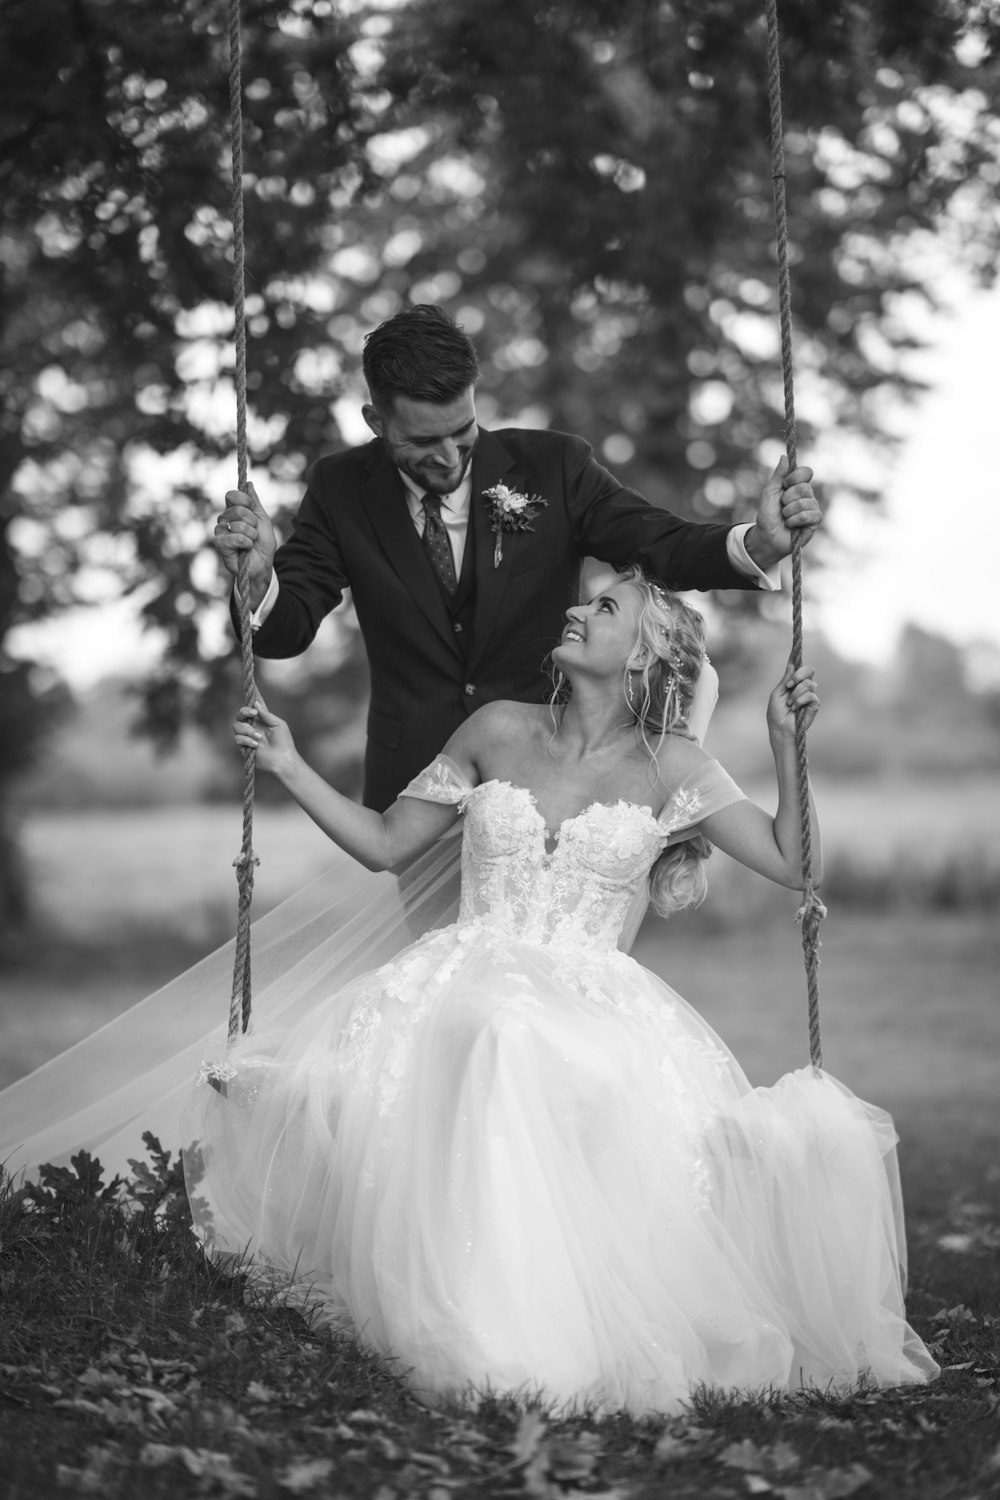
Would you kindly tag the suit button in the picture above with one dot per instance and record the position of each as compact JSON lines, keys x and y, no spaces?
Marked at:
{"x":457,"y":628}
{"x":470,"y":689}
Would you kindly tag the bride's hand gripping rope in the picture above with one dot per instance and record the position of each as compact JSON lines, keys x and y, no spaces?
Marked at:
{"x":256,"y":728}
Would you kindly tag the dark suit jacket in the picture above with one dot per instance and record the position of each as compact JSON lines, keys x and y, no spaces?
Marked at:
{"x":353,"y":531}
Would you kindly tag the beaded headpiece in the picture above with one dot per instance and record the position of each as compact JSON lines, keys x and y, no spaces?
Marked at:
{"x":663,"y":599}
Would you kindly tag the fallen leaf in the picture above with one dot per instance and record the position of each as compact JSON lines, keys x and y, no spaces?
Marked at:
{"x":958,"y":1314}
{"x":305,"y":1474}
{"x":574,"y":1458}
{"x":531,"y":1430}
{"x":219,"y":1470}
{"x":95,"y":1477}
{"x":530,"y":1455}
{"x":154,"y":1455}
{"x":835,"y":1484}
{"x":832,"y":1424}
{"x":389,"y":1449}
{"x":613,"y":1494}
{"x":79,"y":1403}
{"x":430,"y":1461}
{"x":159,"y":1404}
{"x":669,"y":1449}
{"x":745,"y":1455}
{"x":262,"y":1393}
{"x":99,"y":1380}
{"x":781,"y":1457}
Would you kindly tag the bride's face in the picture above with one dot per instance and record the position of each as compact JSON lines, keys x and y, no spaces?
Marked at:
{"x":599,"y":637}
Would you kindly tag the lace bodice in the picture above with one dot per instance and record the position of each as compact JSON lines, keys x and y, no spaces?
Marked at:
{"x":580,"y":890}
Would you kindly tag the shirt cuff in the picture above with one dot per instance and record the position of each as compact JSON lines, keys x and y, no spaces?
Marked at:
{"x":266,"y":605}
{"x":736,"y":546}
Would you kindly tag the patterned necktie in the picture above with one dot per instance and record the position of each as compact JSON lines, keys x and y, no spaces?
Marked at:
{"x":437,"y":546}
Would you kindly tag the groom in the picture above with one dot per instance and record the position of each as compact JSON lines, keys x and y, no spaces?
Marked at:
{"x":462,"y":547}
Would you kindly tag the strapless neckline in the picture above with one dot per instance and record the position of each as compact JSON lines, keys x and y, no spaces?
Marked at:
{"x":554,"y":836}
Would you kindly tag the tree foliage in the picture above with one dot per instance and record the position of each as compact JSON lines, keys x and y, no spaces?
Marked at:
{"x":116,"y":251}
{"x":622,"y":259}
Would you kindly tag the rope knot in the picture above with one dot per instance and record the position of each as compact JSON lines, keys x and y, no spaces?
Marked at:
{"x":245,"y":857}
{"x":812,"y":908}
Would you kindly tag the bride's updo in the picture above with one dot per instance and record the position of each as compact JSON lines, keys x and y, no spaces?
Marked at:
{"x":659,"y":691}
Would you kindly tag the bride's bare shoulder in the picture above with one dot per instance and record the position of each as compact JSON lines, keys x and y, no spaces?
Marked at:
{"x":506,"y":711}
{"x":507,"y":720}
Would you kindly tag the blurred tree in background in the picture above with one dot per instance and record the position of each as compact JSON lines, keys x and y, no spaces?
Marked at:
{"x":585,"y":183}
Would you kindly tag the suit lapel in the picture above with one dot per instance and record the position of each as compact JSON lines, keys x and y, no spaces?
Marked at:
{"x":491,"y":464}
{"x":384,"y":500}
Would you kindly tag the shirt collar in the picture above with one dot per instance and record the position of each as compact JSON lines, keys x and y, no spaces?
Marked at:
{"x":457,"y":502}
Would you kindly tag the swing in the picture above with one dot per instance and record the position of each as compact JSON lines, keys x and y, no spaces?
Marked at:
{"x":812,"y":910}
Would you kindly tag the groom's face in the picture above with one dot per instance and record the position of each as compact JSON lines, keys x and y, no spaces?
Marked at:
{"x":431,"y":443}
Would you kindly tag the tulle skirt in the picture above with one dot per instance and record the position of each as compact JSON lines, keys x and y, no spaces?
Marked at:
{"x":521,"y":1168}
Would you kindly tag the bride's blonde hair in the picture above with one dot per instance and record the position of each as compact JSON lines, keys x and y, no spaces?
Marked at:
{"x":669,"y":653}
{"x":670,"y":647}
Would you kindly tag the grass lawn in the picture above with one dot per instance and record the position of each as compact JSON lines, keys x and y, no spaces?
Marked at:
{"x":129,"y":1367}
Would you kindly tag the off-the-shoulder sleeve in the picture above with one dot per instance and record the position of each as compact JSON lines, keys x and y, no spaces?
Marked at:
{"x":441,"y":781}
{"x":706,"y":790}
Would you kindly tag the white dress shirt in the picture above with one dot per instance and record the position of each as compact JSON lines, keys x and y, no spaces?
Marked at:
{"x":455,"y":515}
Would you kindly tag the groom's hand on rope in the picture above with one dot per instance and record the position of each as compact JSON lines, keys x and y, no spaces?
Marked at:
{"x":796,"y":690}
{"x":787,"y":505}
{"x":244,"y":526}
{"x":269,"y":737}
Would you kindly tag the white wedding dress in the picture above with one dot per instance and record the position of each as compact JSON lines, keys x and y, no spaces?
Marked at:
{"x":513,"y":1159}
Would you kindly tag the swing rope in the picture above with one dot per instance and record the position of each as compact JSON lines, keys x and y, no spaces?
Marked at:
{"x":246,"y":860}
{"x":812,"y":910}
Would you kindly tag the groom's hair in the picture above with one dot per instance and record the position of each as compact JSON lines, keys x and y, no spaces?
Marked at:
{"x":421,"y":353}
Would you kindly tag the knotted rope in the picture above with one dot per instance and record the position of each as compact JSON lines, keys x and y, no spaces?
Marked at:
{"x":812,"y":910}
{"x":239,"y":1008}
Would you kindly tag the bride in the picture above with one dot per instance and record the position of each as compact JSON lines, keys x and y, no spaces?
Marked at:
{"x":512,"y":1159}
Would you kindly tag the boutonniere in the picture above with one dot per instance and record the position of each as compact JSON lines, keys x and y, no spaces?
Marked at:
{"x":510,"y":511}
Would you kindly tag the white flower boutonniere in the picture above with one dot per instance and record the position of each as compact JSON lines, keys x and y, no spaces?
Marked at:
{"x":510,"y":511}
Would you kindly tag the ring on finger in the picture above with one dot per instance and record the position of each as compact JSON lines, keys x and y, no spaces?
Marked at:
{"x":228,"y":525}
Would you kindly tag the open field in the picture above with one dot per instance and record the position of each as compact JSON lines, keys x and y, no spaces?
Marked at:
{"x":100,"y":875}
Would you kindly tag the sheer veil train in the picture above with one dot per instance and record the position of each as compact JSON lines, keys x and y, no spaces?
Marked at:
{"x":134,"y":1074}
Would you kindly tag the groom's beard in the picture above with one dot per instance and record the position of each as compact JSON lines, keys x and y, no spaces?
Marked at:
{"x":438,"y":481}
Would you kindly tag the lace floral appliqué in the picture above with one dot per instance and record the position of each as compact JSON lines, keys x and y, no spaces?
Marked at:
{"x":441,"y":781}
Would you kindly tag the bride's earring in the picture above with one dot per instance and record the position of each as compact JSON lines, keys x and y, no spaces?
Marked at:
{"x":630,"y":694}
